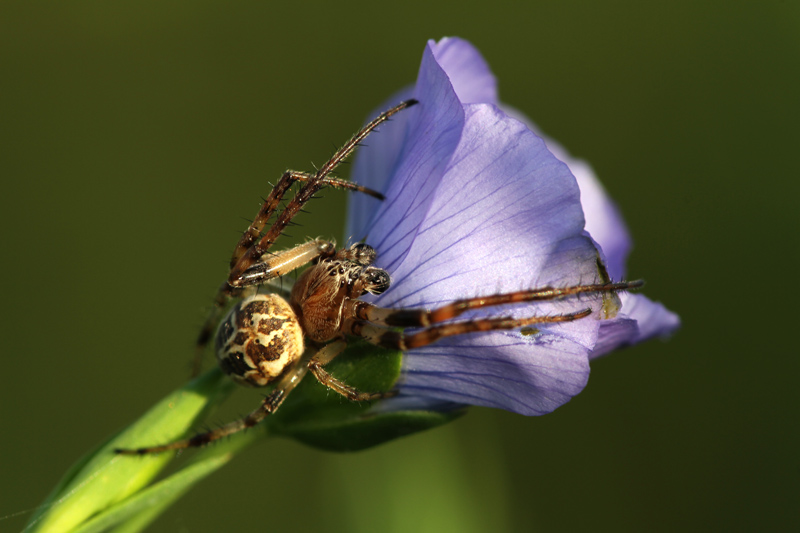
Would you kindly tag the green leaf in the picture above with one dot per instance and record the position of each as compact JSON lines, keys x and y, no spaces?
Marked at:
{"x":102,"y":478}
{"x":105,"y":490}
{"x":138,"y":511}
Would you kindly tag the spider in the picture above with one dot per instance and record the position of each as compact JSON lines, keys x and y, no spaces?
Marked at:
{"x":270,"y":338}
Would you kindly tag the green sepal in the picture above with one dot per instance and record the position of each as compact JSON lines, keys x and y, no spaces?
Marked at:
{"x":355,"y":433}
{"x":321,"y":418}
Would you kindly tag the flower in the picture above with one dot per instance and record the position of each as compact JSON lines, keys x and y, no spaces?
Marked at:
{"x":476,"y":204}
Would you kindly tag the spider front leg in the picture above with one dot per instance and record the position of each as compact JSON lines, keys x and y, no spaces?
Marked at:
{"x":403,"y":341}
{"x":336,"y":183}
{"x":251,"y":247}
{"x":271,"y":203}
{"x":364,"y":316}
{"x":271,"y":266}
{"x":405,"y":318}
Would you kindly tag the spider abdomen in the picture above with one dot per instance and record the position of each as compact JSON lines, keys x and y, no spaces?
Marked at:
{"x":258,"y":339}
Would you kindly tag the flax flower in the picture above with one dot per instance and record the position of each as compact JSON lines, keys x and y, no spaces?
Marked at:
{"x":477,"y":203}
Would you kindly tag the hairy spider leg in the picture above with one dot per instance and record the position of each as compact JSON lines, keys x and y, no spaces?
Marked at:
{"x":365,"y":319}
{"x":325,"y":356}
{"x":273,"y":265}
{"x":395,"y":340}
{"x":337,"y":183}
{"x":256,"y":249}
{"x":271,"y":203}
{"x":269,"y":405}
{"x":313,"y":360}
{"x":422,"y":317}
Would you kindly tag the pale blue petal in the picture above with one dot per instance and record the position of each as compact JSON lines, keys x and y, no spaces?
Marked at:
{"x":467,"y":70}
{"x":470,"y":79}
{"x":528,"y":375}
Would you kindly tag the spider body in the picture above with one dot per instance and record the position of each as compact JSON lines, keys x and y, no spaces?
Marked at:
{"x":319,"y":294}
{"x":277,"y":338}
{"x":263,"y":334}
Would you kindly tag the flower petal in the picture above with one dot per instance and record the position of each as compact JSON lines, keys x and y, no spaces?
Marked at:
{"x":471,"y":80}
{"x":603,"y":219}
{"x":530,"y":376}
{"x":651,"y":319}
{"x":639,"y":318}
{"x":374,"y":166}
{"x":468,"y":71}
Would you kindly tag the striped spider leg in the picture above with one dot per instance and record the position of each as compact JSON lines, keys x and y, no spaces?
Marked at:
{"x":265,"y":339}
{"x":372,"y":323}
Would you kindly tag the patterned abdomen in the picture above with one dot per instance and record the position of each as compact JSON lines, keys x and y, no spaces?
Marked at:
{"x":258,"y":339}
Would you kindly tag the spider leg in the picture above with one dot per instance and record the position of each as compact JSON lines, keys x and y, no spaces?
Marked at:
{"x":274,"y":265}
{"x":325,"y":356}
{"x":272,"y":201}
{"x":269,"y":207}
{"x":269,"y":405}
{"x":249,"y":250}
{"x":404,"y":341}
{"x":224,"y":295}
{"x":421,"y":318}
{"x":336,"y":183}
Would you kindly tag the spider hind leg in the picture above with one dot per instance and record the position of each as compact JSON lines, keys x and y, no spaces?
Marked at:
{"x":269,"y":405}
{"x":325,"y":356}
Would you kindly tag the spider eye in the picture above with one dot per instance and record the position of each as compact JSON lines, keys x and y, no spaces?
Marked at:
{"x":377,"y":280}
{"x":363,"y":254}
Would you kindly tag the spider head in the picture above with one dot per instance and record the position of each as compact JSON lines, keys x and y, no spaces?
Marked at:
{"x":361,"y":253}
{"x":376,"y":280}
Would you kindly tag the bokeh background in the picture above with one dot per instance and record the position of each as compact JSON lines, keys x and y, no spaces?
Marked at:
{"x":136,"y":136}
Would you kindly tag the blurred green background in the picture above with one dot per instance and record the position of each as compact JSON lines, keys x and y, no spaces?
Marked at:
{"x":137,"y":136}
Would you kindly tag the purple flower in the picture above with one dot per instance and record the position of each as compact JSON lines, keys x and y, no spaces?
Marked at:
{"x":476,"y":204}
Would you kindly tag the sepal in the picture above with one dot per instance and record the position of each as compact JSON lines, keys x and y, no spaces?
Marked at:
{"x":321,"y":418}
